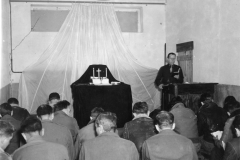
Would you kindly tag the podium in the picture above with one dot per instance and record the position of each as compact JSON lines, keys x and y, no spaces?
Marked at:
{"x":190,"y":93}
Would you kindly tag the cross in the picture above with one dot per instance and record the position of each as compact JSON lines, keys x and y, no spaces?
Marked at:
{"x":98,"y":72}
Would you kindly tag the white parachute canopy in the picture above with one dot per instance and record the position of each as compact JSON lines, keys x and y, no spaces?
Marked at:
{"x":89,"y":35}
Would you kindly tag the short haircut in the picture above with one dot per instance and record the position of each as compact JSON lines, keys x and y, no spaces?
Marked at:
{"x":205,"y":97}
{"x":61,"y":105}
{"x":5,"y":109}
{"x":165,"y":119}
{"x":54,"y":95}
{"x":31,"y":124}
{"x":6,"y":129}
{"x":12,"y":101}
{"x":175,"y":100}
{"x":44,"y":109}
{"x":140,"y":108}
{"x":229,"y":100}
{"x":108,"y":120}
{"x":236,"y":122}
{"x":171,"y":53}
{"x":96,"y":111}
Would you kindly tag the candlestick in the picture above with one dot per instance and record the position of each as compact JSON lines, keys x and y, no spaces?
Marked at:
{"x":106,"y":72}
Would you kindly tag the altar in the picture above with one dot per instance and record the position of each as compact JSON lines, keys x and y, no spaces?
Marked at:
{"x":114,"y":96}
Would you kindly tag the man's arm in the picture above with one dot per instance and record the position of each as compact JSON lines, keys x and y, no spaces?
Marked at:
{"x":230,"y":153}
{"x":145,"y":153}
{"x":159,"y":77}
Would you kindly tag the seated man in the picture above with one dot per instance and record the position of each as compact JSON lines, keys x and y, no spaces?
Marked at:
{"x":6,"y":113}
{"x":53,"y":99}
{"x":62,"y":116}
{"x":141,"y":127}
{"x":168,"y":144}
{"x":19,"y":113}
{"x":228,"y":133}
{"x":232,"y":151}
{"x":108,"y":145}
{"x":6,"y":134}
{"x":211,"y":118}
{"x":89,"y":131}
{"x":36,"y":148}
{"x":185,"y":120}
{"x":54,"y":132}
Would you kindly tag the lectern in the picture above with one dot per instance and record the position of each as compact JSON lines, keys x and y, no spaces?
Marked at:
{"x":190,"y":93}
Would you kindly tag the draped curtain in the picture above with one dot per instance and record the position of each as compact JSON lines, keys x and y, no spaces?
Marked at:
{"x":89,"y":35}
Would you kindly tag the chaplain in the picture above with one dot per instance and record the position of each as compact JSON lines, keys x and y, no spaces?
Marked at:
{"x":169,"y":73}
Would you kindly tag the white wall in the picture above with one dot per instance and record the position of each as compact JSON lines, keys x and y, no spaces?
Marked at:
{"x":213,"y":25}
{"x":5,"y":52}
{"x":195,"y":20}
{"x":147,"y":47}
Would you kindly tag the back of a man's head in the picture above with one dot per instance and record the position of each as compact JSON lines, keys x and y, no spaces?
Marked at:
{"x":53,"y":96}
{"x":44,"y":109}
{"x":140,"y":108}
{"x":5,"y":109}
{"x":232,"y":106}
{"x":165,"y":120}
{"x":61,"y":105}
{"x":107,"y":120}
{"x":205,"y":98}
{"x":96,"y":111}
{"x":31,"y":124}
{"x":12,"y":101}
{"x":175,"y":100}
{"x":6,"y":133}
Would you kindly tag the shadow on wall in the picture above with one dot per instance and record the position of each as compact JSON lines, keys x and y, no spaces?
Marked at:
{"x":4,"y":93}
{"x":222,"y":91}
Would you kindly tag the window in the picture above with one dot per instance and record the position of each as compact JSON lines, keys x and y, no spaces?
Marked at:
{"x":49,"y":18}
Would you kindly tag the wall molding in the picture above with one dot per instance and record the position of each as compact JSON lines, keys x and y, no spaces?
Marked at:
{"x":99,"y":1}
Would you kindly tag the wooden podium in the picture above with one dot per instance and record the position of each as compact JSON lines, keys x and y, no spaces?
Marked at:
{"x":190,"y":93}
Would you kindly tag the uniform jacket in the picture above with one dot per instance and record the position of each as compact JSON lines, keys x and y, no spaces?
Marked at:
{"x":15,"y":141}
{"x":108,"y":146}
{"x":4,"y":156}
{"x":63,"y":119}
{"x":138,"y":130}
{"x":38,"y":149}
{"x":168,"y":145}
{"x":211,"y":118}
{"x":164,"y":75}
{"x":185,"y":120}
{"x":86,"y":133}
{"x":232,"y":151}
{"x":59,"y":134}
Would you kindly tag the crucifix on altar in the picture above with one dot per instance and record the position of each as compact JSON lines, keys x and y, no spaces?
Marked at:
{"x":98,"y":72}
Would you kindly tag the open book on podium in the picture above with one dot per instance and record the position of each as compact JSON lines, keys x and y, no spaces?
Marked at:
{"x":189,"y":92}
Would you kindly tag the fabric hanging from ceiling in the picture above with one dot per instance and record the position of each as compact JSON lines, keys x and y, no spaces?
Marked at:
{"x":89,"y":35}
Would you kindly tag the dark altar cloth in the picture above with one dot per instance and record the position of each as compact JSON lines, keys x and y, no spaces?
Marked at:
{"x":113,"y":98}
{"x":86,"y":77}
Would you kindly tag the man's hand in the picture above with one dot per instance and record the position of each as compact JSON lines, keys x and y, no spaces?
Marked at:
{"x":160,"y":86}
{"x":176,"y":76}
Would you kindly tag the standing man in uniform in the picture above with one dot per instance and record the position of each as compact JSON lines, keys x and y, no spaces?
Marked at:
{"x":170,"y":73}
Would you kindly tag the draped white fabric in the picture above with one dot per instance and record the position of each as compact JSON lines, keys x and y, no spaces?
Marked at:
{"x":89,"y":35}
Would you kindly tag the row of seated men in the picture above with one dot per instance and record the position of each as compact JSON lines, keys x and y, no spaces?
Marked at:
{"x":178,"y":134}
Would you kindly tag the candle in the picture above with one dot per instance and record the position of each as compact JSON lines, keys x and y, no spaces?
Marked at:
{"x":93,"y":73}
{"x":106,"y":72}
